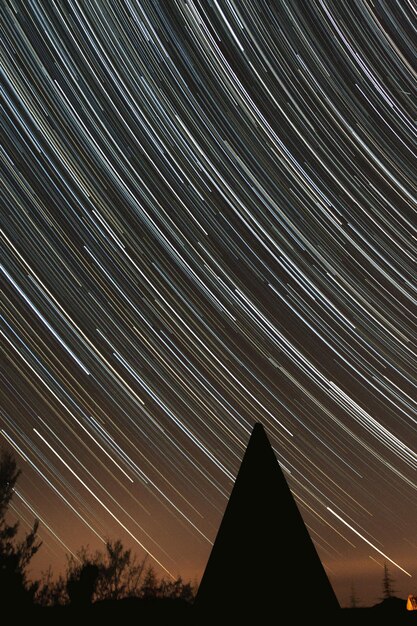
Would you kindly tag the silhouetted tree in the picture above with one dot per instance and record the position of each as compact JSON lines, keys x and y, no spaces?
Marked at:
{"x":150,"y":587}
{"x":81,"y":585}
{"x":387,"y":583}
{"x":119,"y":572}
{"x":121,"y":575}
{"x":176,"y":590}
{"x":115,"y":571}
{"x":153,"y":588}
{"x":51,"y":592}
{"x":15,"y":556}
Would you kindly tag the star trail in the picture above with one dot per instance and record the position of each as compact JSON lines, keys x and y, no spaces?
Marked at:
{"x":209,"y":220}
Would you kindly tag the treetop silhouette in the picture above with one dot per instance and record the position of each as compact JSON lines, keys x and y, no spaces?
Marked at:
{"x":15,"y":556}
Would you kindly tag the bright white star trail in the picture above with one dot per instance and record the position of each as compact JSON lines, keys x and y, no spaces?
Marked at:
{"x":209,"y":220}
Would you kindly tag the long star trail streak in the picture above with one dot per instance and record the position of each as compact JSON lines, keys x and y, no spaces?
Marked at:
{"x":209,"y":219}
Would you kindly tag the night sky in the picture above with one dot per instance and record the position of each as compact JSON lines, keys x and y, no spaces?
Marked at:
{"x":209,"y":220}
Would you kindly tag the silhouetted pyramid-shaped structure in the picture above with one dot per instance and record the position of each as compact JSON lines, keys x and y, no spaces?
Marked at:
{"x":263,"y":560}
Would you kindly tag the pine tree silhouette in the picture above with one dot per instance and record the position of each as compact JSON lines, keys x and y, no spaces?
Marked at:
{"x":387,"y":583}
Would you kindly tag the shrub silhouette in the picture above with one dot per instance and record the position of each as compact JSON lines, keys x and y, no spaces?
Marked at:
{"x":82,"y":584}
{"x":120,"y":575}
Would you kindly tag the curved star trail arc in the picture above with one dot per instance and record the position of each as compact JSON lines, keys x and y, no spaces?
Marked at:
{"x":208,"y":220}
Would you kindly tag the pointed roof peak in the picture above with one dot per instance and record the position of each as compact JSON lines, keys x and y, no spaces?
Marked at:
{"x":258,"y":427}
{"x":258,"y":432}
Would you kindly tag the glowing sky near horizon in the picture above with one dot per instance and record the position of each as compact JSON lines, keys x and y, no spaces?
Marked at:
{"x":209,"y":220}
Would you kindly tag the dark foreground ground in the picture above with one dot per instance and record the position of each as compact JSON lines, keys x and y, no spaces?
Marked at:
{"x":168,"y":612}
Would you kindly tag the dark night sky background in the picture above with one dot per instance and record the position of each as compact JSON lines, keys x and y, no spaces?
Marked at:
{"x":209,"y":220}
